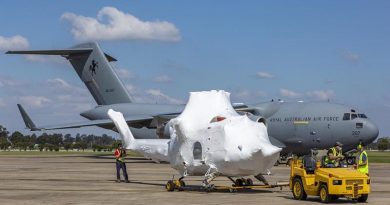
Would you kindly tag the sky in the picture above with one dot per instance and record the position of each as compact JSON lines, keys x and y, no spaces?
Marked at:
{"x":337,"y":51}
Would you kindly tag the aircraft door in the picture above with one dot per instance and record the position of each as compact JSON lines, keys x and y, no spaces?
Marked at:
{"x":321,"y":135}
{"x":301,"y":133}
{"x":197,"y":151}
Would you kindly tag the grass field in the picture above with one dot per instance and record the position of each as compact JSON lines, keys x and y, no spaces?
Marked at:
{"x":378,"y":157}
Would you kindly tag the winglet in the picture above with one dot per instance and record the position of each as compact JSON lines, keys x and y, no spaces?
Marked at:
{"x":27,"y":120}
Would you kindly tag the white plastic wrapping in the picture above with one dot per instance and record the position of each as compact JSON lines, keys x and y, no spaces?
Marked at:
{"x":208,"y":136}
{"x":235,"y":146}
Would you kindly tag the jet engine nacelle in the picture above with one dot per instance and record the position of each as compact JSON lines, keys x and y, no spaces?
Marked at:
{"x":258,"y":119}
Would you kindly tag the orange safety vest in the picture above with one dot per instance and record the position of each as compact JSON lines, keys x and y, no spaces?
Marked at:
{"x":120,"y":155}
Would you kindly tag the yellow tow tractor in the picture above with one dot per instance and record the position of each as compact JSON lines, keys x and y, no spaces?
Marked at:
{"x":309,"y":177}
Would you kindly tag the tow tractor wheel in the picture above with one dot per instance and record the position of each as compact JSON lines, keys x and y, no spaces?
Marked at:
{"x":324,"y":196}
{"x":363,"y":198}
{"x":298,"y":190}
{"x":170,"y":186}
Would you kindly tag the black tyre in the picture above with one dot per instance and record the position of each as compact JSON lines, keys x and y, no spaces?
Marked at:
{"x":363,"y":198}
{"x":334,"y":197}
{"x":298,"y":190}
{"x":239,"y":182}
{"x":276,"y":163}
{"x":324,"y":195}
{"x":170,"y":186}
{"x":249,"y":182}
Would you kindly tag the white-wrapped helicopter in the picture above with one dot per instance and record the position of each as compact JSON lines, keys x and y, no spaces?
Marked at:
{"x":209,"y":138}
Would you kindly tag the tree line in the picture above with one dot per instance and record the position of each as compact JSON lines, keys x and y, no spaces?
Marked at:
{"x":381,"y":144}
{"x":55,"y":142}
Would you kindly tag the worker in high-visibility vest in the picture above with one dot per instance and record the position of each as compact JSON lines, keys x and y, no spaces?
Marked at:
{"x":120,"y":155}
{"x":362,"y":160}
{"x":334,"y":156}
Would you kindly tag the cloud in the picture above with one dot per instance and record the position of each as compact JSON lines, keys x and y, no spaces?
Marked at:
{"x":247,"y":96}
{"x":288,"y":93}
{"x":58,"y":82}
{"x":7,"y":82}
{"x":162,"y":79}
{"x":321,"y":94}
{"x":131,"y":89}
{"x":113,"y":24}
{"x":243,"y":94}
{"x":34,"y":101}
{"x":161,"y":96}
{"x":150,"y":95}
{"x":263,"y":75}
{"x":46,"y":59}
{"x":2,"y":103}
{"x":351,"y":57}
{"x":124,"y":73}
{"x":13,"y":43}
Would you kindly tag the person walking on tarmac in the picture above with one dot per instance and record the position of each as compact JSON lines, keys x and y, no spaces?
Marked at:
{"x":362,"y":160}
{"x":120,"y":155}
{"x":334,"y":156}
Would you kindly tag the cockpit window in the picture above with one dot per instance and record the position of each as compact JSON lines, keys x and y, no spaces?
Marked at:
{"x":353,"y":116}
{"x":362,"y":116}
{"x":347,"y":116}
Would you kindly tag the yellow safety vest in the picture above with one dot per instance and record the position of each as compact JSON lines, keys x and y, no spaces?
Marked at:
{"x":363,"y":169}
{"x":335,"y":153}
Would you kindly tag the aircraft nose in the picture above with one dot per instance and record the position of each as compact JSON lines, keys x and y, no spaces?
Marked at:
{"x":372,"y":132}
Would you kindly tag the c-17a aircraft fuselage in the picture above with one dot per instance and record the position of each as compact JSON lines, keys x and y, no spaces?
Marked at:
{"x":297,"y":127}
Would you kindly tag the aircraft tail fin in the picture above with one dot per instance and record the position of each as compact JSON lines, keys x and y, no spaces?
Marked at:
{"x":27,"y":120}
{"x":93,"y":67}
{"x":122,"y":127}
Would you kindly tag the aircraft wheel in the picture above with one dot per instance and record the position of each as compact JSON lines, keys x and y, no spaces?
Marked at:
{"x":249,"y":182}
{"x":363,"y":198}
{"x":324,"y":196}
{"x":239,"y":182}
{"x":170,"y":186}
{"x":210,"y":188}
{"x":298,"y":190}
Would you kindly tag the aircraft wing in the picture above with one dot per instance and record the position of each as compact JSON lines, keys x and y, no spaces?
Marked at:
{"x":131,"y":121}
{"x":103,"y":122}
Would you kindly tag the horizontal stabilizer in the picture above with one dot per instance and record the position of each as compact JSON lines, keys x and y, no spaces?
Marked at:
{"x":64,"y":52}
{"x":102,"y":122}
{"x":131,"y":121}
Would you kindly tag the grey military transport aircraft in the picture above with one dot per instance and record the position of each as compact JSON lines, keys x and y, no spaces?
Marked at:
{"x":297,"y":127}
